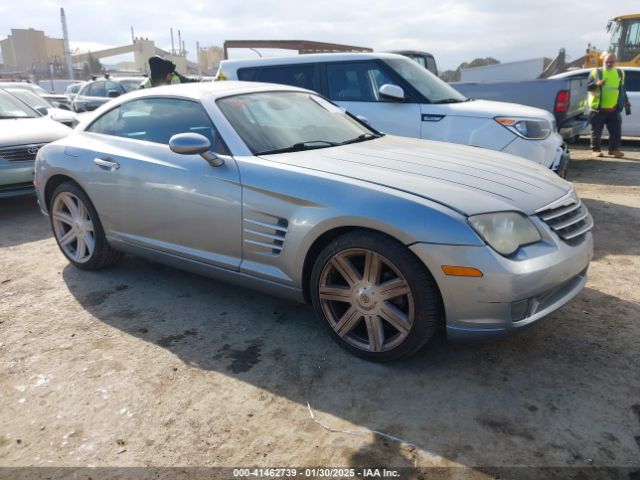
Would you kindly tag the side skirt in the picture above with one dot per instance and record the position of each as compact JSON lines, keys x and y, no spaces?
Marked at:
{"x":224,"y":275}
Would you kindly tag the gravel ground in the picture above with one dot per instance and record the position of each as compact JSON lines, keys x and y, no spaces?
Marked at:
{"x":143,"y":365}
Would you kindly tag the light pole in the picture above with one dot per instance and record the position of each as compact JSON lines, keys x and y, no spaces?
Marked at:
{"x":51,"y":74}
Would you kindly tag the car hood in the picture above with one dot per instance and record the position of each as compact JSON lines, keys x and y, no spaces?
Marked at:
{"x":491,"y":109}
{"x":23,"y":131}
{"x":467,"y":179}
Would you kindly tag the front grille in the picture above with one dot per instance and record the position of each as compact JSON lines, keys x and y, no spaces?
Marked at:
{"x":21,"y":153}
{"x":568,"y":217}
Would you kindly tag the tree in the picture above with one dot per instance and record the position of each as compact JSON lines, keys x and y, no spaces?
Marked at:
{"x":479,"y":62}
{"x":92,"y":67}
{"x":454,"y":75}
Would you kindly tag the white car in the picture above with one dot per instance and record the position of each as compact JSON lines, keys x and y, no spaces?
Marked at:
{"x":630,"y":123}
{"x":397,"y":96}
{"x":67,"y":117}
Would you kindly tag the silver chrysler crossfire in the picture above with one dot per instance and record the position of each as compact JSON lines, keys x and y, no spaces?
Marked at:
{"x":276,"y":188}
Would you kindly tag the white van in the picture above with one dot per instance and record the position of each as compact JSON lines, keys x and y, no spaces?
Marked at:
{"x":397,"y":96}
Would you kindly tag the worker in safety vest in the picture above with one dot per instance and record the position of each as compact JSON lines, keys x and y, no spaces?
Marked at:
{"x":607,"y":98}
{"x":163,"y":72}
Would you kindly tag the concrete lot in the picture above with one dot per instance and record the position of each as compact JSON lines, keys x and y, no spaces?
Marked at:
{"x":143,"y":365}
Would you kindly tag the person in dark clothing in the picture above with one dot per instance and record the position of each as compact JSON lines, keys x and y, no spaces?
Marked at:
{"x":163,"y":72}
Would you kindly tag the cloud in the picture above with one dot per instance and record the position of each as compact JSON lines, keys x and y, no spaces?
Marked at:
{"x":454,"y":31}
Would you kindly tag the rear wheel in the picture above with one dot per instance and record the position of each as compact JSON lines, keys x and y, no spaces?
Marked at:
{"x":377,"y":299}
{"x":78,"y":230}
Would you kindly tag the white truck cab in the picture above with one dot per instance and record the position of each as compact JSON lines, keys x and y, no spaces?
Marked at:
{"x":397,"y":96}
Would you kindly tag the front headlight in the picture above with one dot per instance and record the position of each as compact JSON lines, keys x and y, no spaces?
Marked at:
{"x":529,"y":128}
{"x":505,"y":232}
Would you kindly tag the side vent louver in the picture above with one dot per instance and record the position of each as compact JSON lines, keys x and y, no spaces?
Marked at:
{"x":265,"y":236}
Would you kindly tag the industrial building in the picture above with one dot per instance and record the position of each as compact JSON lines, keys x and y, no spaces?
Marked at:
{"x":31,"y":52}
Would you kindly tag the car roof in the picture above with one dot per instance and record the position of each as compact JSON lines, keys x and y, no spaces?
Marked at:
{"x":21,"y":91}
{"x":219,"y":89}
{"x":198,"y":90}
{"x":411,"y":52}
{"x":581,"y":71}
{"x":23,"y":85}
{"x":114,"y":79}
{"x":306,"y":58}
{"x":194,"y":91}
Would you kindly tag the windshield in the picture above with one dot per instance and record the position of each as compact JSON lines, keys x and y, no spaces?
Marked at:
{"x":29,"y":98}
{"x":11,"y":107}
{"x":73,"y":88}
{"x":418,"y":59}
{"x":614,"y":43}
{"x":26,"y":86}
{"x":430,"y":86}
{"x":39,"y":90}
{"x":130,"y":85}
{"x":287,"y":121}
{"x":630,"y":47}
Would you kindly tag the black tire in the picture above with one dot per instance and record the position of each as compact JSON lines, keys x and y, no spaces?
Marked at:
{"x":361,"y":309}
{"x":78,"y":250}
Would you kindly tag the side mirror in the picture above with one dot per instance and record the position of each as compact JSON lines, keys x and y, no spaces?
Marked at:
{"x":363,"y":119}
{"x":393,"y":92}
{"x":113,"y":93}
{"x":42,"y":111}
{"x":194,"y":144}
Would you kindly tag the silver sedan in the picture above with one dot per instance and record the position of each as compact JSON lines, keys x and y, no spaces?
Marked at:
{"x":276,"y":188}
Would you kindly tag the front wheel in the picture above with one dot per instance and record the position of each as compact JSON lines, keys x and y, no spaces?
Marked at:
{"x":377,"y":299}
{"x":78,"y":230}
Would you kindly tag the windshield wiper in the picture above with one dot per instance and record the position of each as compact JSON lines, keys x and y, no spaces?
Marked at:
{"x":448,"y":100}
{"x":361,"y":138}
{"x":298,"y":147}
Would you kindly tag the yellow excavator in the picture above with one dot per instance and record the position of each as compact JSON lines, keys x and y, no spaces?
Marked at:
{"x":624,"y":41}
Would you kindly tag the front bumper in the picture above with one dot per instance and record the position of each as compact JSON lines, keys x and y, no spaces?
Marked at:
{"x":561,"y":162}
{"x":544,"y":152}
{"x":513,"y":293}
{"x":16,"y":178}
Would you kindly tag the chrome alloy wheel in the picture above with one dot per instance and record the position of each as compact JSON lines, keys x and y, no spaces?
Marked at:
{"x":73,"y":227}
{"x":366,"y":300}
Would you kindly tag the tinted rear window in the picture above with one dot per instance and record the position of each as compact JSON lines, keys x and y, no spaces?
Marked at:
{"x":295,"y":75}
{"x":248,"y":74}
{"x":632,"y":81}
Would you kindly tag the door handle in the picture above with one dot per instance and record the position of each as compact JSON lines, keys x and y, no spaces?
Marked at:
{"x":107,"y":163}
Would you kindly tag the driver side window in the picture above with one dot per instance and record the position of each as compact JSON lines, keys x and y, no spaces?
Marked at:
{"x":157,"y":120}
{"x":356,"y":82}
{"x":97,"y":89}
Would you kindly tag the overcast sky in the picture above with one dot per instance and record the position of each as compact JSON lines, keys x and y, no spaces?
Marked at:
{"x":453,"y":30}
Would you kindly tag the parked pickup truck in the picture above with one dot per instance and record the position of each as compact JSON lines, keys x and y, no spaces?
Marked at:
{"x":565,"y":98}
